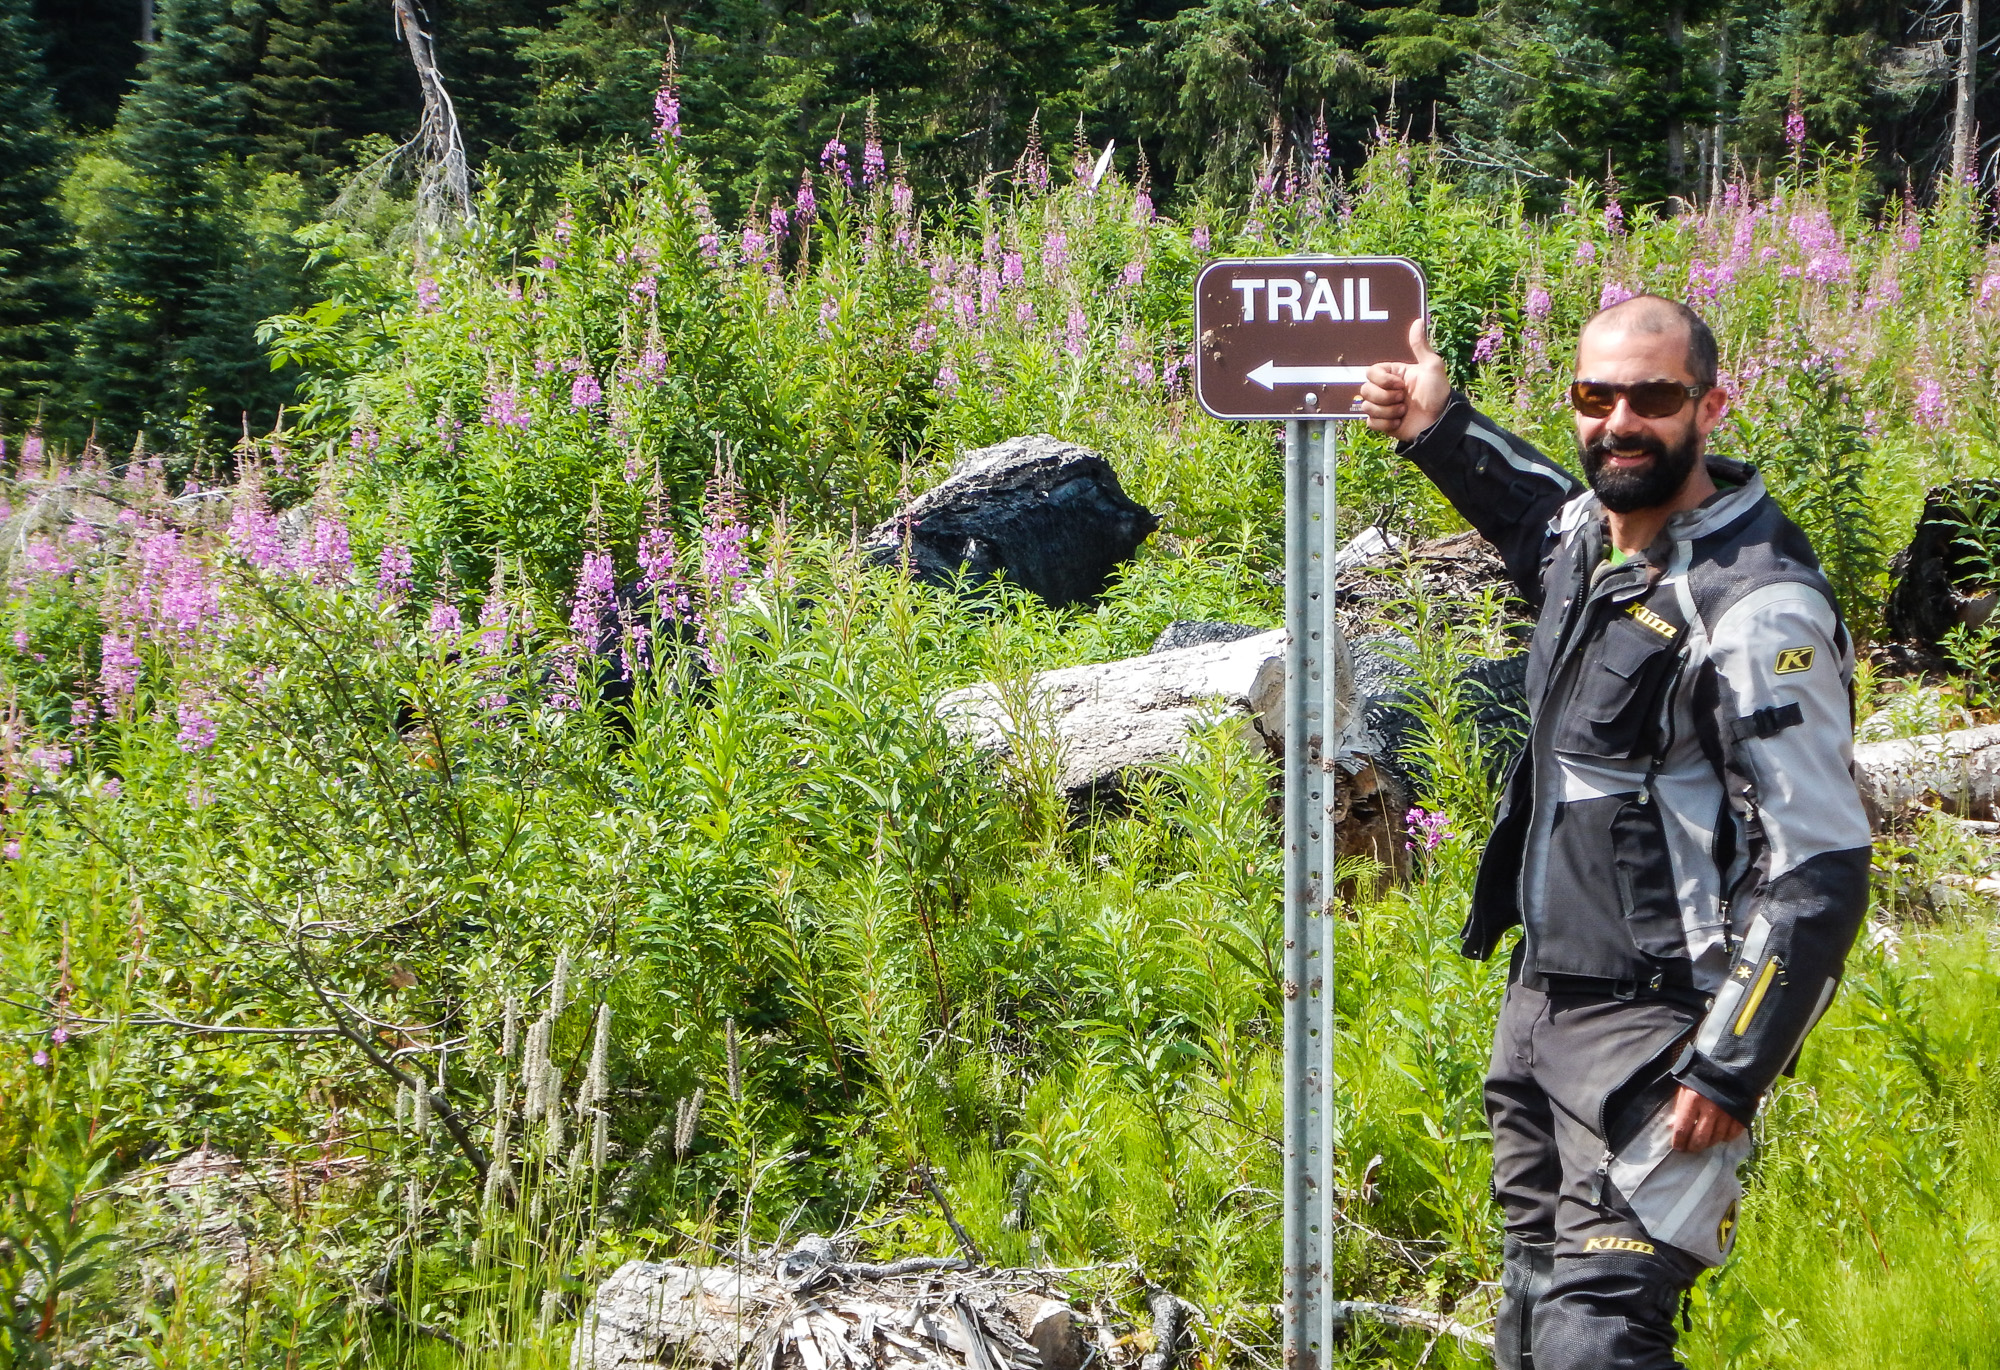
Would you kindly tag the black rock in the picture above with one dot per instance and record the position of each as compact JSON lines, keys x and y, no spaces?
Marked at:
{"x":1192,"y":632}
{"x":1944,"y":578}
{"x":1047,"y":515}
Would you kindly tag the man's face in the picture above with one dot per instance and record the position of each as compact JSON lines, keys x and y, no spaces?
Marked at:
{"x":1634,"y":462}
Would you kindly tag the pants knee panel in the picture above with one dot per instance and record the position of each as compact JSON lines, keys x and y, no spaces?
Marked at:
{"x":1608,"y":1311}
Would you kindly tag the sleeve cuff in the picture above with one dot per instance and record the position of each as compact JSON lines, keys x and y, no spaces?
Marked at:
{"x":1446,"y":432}
{"x":1717,"y":1085}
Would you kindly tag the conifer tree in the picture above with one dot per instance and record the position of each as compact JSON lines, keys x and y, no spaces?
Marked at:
{"x":178,"y":282}
{"x":39,"y":303}
{"x":330,"y":72}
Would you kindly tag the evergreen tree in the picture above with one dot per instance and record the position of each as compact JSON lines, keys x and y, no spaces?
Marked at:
{"x":39,"y":303}
{"x":93,"y":49}
{"x":179,"y":280}
{"x":330,"y":71}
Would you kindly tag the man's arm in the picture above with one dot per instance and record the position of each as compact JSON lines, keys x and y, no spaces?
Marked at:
{"x":1497,"y":481}
{"x":1779,"y":655}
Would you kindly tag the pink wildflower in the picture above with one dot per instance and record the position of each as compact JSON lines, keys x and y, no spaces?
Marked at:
{"x":393,"y":575}
{"x":503,"y":411}
{"x":198,"y":731}
{"x":1613,"y":293}
{"x":1538,"y":303}
{"x":1930,"y":403}
{"x":444,"y":621}
{"x":118,"y":667}
{"x":427,"y":294}
{"x":1586,"y":252}
{"x":585,"y":391}
{"x":1488,"y":346}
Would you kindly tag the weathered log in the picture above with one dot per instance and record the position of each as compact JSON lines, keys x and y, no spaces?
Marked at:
{"x":820,"y":1313}
{"x":1048,"y":515}
{"x":1107,"y":720}
{"x":1956,"y":771}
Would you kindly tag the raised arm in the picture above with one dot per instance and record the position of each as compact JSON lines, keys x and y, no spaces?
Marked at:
{"x":1498,"y":482}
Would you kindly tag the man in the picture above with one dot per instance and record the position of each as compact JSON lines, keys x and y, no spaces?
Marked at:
{"x":1681,"y":839}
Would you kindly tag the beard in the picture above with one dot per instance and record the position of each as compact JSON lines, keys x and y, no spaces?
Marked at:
{"x":1659,"y":480}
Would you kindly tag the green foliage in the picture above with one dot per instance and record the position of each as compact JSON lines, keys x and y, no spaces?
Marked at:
{"x":39,"y":303}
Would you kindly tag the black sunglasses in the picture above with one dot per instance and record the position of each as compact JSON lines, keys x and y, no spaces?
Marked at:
{"x":1649,"y":399}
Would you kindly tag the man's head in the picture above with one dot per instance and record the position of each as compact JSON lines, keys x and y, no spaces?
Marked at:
{"x":1635,"y":461}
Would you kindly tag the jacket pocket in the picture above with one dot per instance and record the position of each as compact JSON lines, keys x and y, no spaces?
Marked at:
{"x":1645,"y":875}
{"x":1610,"y":712}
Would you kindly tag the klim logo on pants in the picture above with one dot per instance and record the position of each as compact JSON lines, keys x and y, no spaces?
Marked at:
{"x":1618,"y":1244}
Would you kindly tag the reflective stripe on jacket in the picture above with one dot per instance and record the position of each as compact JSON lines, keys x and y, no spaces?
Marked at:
{"x":1683,"y":820}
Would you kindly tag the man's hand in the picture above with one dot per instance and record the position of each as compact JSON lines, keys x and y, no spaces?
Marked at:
{"x":1402,"y":399}
{"x":1699,"y":1122}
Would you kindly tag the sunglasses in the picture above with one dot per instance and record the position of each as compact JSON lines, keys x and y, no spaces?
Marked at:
{"x":1649,"y":399}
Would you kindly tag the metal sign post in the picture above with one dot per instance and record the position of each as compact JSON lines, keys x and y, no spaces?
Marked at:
{"x":1292,"y":338}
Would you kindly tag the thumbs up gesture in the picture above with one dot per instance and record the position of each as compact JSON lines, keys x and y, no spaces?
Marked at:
{"x":1402,"y":399}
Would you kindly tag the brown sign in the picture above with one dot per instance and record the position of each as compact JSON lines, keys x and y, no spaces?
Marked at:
{"x":1293,"y":337}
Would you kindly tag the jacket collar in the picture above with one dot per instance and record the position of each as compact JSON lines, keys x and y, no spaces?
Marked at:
{"x":1718,"y":511}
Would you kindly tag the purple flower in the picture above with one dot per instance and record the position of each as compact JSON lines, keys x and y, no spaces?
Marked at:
{"x":872,"y":164}
{"x":781,"y":223}
{"x":1011,"y":272}
{"x":645,"y":288}
{"x":393,"y":575}
{"x":503,"y":411}
{"x":1142,"y":208}
{"x":427,"y":294}
{"x":584,"y":391}
{"x":1077,"y":333}
{"x":494,"y":618}
{"x":1055,"y":252}
{"x":900,"y":198}
{"x":1795,"y":125}
{"x":1989,"y":288}
{"x":118,"y":669}
{"x":444,"y":621}
{"x":49,"y":759}
{"x":922,"y":337}
{"x":1199,"y":240}
{"x":1586,"y":251}
{"x":1488,"y":346}
{"x":666,"y":108}
{"x":595,"y":584}
{"x":1613,"y":293}
{"x":1538,"y":303}
{"x":1133,"y":274}
{"x":1912,"y":233}
{"x":656,"y":574}
{"x":59,"y":1036}
{"x":1428,"y":830}
{"x":725,"y":560}
{"x":111,"y":787}
{"x":805,"y":205}
{"x":1614,"y":218}
{"x":947,"y":378}
{"x":1930,"y":404}
{"x":41,"y":1058}
{"x":253,"y":531}
{"x":12,"y":851}
{"x":198,"y":730}
{"x":1024,"y":311}
{"x":328,"y":557}
{"x":31,"y":447}
{"x":833,"y":161}
{"x":711,"y":246}
{"x":755,"y":244}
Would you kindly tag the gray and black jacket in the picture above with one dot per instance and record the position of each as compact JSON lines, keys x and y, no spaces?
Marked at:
{"x":1683,"y":822}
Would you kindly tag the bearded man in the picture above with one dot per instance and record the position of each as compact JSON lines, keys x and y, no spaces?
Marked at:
{"x":1681,"y":840}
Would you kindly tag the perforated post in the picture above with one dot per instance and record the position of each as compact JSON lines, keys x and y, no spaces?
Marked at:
{"x":1310,"y":738}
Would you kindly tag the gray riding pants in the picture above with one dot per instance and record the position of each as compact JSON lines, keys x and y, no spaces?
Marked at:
{"x":1580,"y":1104}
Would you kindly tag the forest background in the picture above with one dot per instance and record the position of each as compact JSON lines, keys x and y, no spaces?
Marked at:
{"x":471,"y":816}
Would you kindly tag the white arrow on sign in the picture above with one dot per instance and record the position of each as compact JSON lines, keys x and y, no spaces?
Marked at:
{"x":1271,"y":374}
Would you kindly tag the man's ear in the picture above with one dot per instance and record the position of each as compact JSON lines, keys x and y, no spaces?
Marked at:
{"x":1711,"y":409}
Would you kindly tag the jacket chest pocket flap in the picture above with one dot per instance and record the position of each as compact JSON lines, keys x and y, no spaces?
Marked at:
{"x":1610,"y":712}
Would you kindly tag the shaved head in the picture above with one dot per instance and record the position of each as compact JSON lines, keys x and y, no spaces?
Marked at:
{"x":1657,"y":314}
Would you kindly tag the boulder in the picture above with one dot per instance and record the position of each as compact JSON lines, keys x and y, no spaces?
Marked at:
{"x":1048,"y":515}
{"x":1943,"y":577}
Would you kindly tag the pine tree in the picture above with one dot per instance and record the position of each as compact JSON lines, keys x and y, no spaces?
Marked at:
{"x":178,"y":279}
{"x":330,"y":72}
{"x":39,"y":303}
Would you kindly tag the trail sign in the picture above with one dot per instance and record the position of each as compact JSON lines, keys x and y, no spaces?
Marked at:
{"x":1293,"y":337}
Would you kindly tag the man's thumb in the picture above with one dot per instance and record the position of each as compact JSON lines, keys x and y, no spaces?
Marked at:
{"x":1420,"y":340}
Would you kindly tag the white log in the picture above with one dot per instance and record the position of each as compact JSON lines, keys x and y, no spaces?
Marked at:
{"x":1108,"y":719}
{"x":1957,"y":771}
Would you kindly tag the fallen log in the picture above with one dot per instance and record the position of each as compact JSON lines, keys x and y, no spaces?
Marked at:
{"x":1958,"y":772}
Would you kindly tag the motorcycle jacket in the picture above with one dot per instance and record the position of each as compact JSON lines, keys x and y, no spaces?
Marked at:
{"x":1683,"y":820}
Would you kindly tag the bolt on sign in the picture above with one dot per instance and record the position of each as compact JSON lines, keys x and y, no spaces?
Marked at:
{"x":1293,"y":337}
